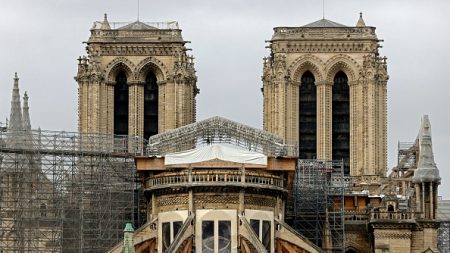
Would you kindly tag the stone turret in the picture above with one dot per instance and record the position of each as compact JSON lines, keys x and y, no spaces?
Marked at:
{"x":360,"y":22}
{"x":105,"y":24}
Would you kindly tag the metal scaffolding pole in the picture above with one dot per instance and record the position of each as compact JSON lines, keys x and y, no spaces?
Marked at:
{"x":317,"y":210}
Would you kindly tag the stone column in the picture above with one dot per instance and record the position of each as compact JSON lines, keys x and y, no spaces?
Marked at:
{"x":418,"y":202}
{"x":110,"y":107}
{"x":354,"y":122}
{"x":371,"y":129}
{"x":161,"y":106}
{"x":324,"y":120}
{"x":136,"y":109}
{"x":424,"y":211}
{"x":280,"y":104}
{"x":431,"y":201}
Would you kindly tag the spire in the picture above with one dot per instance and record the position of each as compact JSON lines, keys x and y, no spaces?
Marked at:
{"x":105,"y":24}
{"x":360,"y":22}
{"x":26,"y":113}
{"x":427,"y":170}
{"x":15,"y":117}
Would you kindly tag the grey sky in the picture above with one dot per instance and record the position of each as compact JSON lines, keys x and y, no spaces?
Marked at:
{"x":42,"y":39}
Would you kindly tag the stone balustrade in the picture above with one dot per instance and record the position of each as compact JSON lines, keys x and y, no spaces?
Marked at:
{"x":214,"y":178}
{"x":392,"y":216}
{"x":356,"y":216}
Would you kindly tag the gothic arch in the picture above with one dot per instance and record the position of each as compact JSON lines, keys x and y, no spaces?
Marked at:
{"x":344,"y":63}
{"x":352,"y":248}
{"x":305,"y":63}
{"x":153,"y":64}
{"x":116,"y":65}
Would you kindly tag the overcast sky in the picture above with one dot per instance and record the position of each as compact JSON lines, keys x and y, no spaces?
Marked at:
{"x":41,"y":40}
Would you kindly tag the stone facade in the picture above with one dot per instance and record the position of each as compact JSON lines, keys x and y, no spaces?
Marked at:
{"x":136,"y":50}
{"x":324,"y":48}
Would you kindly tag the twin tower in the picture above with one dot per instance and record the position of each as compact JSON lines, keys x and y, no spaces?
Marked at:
{"x":324,"y":88}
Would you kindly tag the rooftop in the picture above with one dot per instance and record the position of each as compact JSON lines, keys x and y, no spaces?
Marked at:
{"x":324,"y":23}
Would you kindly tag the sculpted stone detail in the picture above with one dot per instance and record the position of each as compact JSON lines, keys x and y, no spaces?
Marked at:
{"x":305,"y":63}
{"x":405,"y":235}
{"x":151,"y":63}
{"x":119,"y":63}
{"x":343,"y":63}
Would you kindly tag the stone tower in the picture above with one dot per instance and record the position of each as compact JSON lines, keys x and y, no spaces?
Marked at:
{"x":324,"y":88}
{"x":137,"y":79}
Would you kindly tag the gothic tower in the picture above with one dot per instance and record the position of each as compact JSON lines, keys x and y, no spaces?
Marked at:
{"x":324,"y":88}
{"x":137,"y":80}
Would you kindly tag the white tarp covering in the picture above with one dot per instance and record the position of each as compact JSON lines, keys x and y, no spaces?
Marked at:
{"x":215,"y":151}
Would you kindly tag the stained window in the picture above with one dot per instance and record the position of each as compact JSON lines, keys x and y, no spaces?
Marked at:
{"x":170,"y":231}
{"x":341,"y":120}
{"x":225,"y":236}
{"x":208,"y":236}
{"x":150,"y":106}
{"x":263,"y":229}
{"x":266,"y":234}
{"x":165,"y":236}
{"x":121,"y":104}
{"x":307,"y":117}
{"x":176,"y":228}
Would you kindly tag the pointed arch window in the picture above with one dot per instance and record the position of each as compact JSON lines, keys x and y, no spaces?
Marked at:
{"x":307,"y":117}
{"x":121,"y":104}
{"x":150,"y":105}
{"x":341,"y":120}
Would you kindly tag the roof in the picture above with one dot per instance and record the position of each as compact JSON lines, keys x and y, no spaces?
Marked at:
{"x":137,"y":26}
{"x":128,"y":228}
{"x":324,"y":23}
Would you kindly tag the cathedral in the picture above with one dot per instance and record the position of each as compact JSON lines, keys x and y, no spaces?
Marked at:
{"x":313,"y":179}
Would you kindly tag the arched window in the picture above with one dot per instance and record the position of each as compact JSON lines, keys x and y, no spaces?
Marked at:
{"x":150,"y":106}
{"x":121,"y":104}
{"x":341,"y":120}
{"x":307,"y":117}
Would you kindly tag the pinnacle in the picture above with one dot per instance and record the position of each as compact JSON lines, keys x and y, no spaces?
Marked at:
{"x":105,"y":23}
{"x":26,"y":113}
{"x":360,"y":22}
{"x":15,"y":118}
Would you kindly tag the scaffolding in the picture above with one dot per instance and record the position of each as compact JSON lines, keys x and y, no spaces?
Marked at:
{"x":219,"y":130}
{"x":317,"y":203}
{"x":444,"y":228}
{"x":66,"y":192}
{"x":444,"y":236}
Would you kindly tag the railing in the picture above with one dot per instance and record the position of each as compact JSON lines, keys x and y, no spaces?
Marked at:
{"x":356,"y":216}
{"x":214,"y":178}
{"x":383,"y":216}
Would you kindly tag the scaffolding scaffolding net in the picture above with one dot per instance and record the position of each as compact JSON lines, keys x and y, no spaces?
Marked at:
{"x":317,"y":203}
{"x":444,"y":236}
{"x":66,"y":192}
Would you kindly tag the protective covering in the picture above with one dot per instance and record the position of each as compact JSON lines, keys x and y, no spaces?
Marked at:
{"x":215,"y":151}
{"x":427,"y":170}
